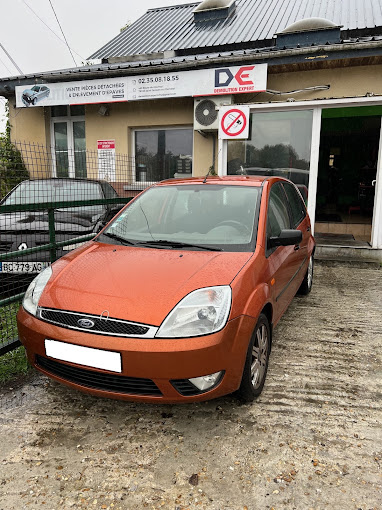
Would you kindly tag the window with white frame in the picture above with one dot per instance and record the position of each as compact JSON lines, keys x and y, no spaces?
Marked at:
{"x":68,"y":140}
{"x":162,"y":153}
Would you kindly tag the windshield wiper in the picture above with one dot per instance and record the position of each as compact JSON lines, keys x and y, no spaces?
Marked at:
{"x":118,"y":238}
{"x":177,"y":244}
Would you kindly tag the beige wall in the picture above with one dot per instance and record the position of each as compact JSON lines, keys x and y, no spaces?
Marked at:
{"x":344,"y":82}
{"x":124,"y":117}
{"x":203,"y":152}
{"x":29,"y":124}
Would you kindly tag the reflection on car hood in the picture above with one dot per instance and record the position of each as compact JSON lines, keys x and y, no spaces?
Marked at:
{"x":137,"y":284}
{"x":36,"y":221}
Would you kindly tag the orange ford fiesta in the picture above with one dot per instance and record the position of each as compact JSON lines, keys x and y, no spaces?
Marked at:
{"x":176,"y":299}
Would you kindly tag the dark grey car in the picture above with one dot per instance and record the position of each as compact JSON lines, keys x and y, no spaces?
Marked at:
{"x":22,"y":230}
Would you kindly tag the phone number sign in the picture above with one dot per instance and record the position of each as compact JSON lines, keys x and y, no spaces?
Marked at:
{"x":234,"y":122}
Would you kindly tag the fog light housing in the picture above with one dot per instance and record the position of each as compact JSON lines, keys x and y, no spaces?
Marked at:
{"x":197,"y":385}
{"x":206,"y":382}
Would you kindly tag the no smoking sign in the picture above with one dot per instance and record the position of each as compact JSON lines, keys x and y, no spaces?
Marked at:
{"x":233,"y":122}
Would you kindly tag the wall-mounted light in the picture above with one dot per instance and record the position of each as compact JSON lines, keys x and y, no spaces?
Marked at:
{"x":104,"y":110}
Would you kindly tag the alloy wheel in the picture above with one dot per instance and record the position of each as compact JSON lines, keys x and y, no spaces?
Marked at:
{"x":310,"y":273}
{"x":259,"y":356}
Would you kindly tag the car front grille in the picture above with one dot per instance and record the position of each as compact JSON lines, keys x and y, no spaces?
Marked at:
{"x":101,"y":325}
{"x":99,"y":380}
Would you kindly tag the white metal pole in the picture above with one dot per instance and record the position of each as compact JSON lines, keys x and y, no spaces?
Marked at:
{"x":314,"y":157}
{"x":376,"y":231}
{"x":222,"y":157}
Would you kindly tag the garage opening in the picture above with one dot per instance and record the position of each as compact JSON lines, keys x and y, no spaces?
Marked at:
{"x":347,"y":175}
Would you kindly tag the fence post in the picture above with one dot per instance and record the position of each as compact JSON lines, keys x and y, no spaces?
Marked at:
{"x":52,"y":236}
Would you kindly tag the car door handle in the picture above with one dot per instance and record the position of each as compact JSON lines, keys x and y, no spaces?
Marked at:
{"x":296,"y":247}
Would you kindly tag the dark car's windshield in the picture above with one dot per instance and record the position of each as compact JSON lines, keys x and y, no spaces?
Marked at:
{"x":39,"y":191}
{"x":207,"y":215}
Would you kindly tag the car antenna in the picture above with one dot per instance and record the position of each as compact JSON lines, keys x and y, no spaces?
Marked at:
{"x":208,"y":173}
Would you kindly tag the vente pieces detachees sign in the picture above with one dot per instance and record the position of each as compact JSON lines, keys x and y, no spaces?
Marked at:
{"x":202,"y":82}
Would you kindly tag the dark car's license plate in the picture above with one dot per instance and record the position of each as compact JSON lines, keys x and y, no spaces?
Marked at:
{"x":23,"y":267}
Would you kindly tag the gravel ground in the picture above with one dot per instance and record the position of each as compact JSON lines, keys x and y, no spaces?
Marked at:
{"x":313,"y":440}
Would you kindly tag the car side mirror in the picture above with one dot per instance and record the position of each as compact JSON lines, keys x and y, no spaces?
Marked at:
{"x":286,"y":238}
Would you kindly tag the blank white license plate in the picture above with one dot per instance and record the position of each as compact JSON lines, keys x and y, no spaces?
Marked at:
{"x":96,"y":358}
{"x":23,"y":267}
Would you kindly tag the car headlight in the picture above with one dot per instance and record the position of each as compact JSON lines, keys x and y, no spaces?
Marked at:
{"x":35,"y":289}
{"x":202,"y":312}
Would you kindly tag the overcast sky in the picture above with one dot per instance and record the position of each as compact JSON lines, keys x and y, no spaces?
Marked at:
{"x":87,"y":25}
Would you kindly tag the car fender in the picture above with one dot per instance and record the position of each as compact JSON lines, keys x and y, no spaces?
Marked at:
{"x":254,"y":301}
{"x":257,"y":300}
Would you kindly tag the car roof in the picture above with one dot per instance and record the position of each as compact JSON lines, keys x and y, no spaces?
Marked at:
{"x":236,"y":180}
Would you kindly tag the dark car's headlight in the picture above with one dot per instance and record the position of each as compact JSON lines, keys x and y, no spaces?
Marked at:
{"x":34,"y":291}
{"x":202,"y":312}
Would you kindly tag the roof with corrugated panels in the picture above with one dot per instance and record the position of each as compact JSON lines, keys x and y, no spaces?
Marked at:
{"x":252,"y":23}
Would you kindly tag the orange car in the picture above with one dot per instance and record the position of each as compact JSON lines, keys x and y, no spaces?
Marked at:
{"x":175,"y":300}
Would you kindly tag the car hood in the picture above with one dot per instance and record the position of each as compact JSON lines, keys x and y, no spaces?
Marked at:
{"x":137,"y":284}
{"x":65,"y":221}
{"x":28,"y":92}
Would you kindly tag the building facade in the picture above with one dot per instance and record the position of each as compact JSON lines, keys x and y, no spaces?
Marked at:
{"x":308,"y":76}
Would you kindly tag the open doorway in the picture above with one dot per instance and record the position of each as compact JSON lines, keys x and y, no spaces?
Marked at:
{"x":347,"y":174}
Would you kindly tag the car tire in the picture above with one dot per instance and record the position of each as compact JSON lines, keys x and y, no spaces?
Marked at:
{"x":307,"y":282}
{"x":256,"y":361}
{"x":34,"y":101}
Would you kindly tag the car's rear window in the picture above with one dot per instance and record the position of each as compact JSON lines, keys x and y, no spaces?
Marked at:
{"x":40,"y":191}
{"x":219,"y":216}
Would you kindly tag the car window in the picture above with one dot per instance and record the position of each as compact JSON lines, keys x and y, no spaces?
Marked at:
{"x":56,"y":190}
{"x":278,"y":214}
{"x":213,"y":215}
{"x":109,"y":190}
{"x":296,"y":204}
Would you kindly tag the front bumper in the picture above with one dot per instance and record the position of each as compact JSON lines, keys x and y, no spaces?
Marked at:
{"x":162,"y":364}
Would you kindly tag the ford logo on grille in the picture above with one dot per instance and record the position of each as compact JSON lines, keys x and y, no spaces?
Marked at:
{"x":86,"y":323}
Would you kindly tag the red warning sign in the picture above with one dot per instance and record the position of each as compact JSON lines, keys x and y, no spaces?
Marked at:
{"x":234,"y":122}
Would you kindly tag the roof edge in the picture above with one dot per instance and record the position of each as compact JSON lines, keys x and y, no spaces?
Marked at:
{"x":265,"y":55}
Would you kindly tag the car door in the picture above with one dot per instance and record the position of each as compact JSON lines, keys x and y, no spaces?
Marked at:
{"x":283,"y":260}
{"x":299,"y":220}
{"x":44,"y":92}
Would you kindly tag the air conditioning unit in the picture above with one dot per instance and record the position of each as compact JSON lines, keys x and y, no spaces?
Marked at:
{"x":206,"y":112}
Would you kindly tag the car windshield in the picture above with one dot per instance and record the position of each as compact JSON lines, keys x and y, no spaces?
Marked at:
{"x":198,"y":216}
{"x":39,"y":191}
{"x":35,"y":88}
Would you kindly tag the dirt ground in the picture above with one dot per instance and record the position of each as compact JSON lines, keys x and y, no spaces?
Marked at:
{"x":313,"y":440}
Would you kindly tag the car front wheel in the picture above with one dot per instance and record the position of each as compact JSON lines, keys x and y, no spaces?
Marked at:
{"x":256,"y":362}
